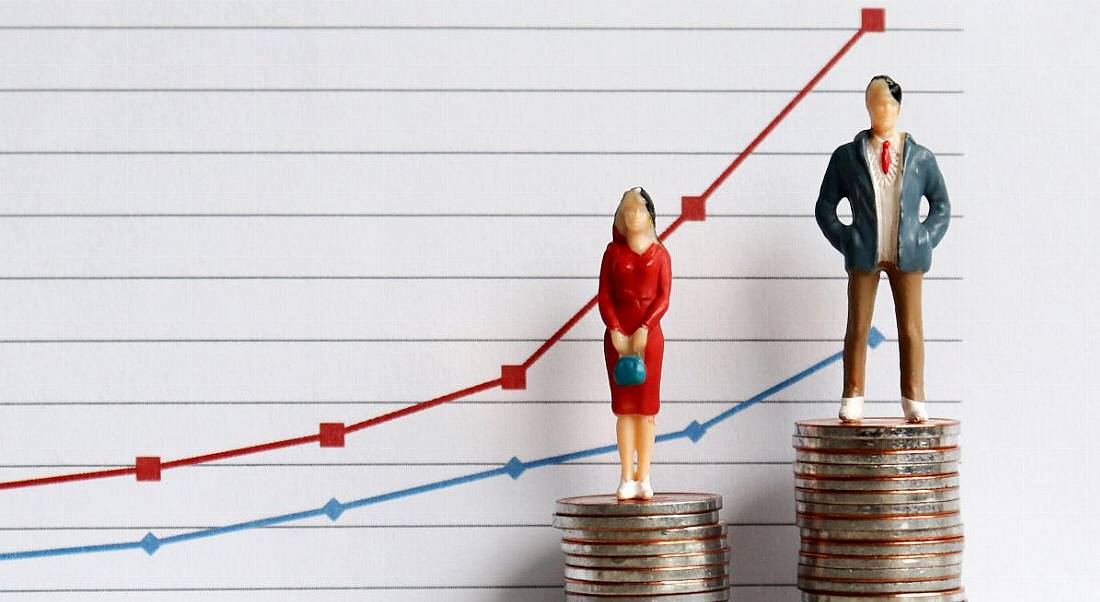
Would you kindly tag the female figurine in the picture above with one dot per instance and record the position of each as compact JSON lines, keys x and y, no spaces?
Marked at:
{"x":635,"y":282}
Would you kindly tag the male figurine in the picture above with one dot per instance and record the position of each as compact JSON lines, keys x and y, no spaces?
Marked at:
{"x":883,"y":173}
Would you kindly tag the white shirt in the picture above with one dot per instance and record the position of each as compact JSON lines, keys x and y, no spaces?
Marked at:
{"x":887,"y":194}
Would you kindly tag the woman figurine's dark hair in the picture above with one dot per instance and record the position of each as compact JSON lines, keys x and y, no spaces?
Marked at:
{"x":895,"y":89}
{"x":649,"y":206}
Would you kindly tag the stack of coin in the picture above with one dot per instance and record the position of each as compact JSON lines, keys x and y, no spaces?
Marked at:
{"x":877,"y":506}
{"x":670,"y":548}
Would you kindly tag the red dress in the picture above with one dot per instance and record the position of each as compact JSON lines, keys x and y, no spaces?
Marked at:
{"x":634,"y":291}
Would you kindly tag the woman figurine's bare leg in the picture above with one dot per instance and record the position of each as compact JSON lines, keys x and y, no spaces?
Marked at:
{"x":625,"y":433}
{"x":645,"y":436}
{"x":624,"y":428}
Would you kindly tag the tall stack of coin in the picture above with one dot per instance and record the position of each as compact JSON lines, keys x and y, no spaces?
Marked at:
{"x":878,"y":505}
{"x":670,"y":548}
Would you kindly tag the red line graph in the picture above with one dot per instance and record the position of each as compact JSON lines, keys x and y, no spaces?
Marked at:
{"x":693,"y":209}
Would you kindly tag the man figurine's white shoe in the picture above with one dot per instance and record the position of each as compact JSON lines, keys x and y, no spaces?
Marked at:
{"x":914,"y":410}
{"x":645,"y":491}
{"x":851,"y":409}
{"x":628,"y":490}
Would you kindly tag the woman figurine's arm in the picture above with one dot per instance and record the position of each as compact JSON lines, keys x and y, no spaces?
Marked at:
{"x":657,"y":308}
{"x":659,"y":305}
{"x":607,"y":307}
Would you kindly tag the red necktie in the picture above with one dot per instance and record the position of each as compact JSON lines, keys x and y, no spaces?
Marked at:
{"x":885,"y":156}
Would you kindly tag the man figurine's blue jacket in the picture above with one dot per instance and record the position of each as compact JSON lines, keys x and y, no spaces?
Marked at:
{"x":848,"y":176}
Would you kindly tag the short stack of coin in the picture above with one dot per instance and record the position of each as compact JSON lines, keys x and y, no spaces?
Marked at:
{"x":670,"y":548}
{"x":878,"y":509}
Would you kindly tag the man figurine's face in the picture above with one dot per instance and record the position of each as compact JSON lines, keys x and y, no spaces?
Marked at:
{"x":882,"y":108}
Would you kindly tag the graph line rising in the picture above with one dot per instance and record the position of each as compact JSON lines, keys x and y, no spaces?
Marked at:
{"x":514,"y":468}
{"x":693,"y":210}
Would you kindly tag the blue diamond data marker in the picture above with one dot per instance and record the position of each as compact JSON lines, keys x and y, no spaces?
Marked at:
{"x":514,"y":467}
{"x":695,"y":431}
{"x":333,"y":509}
{"x":150,"y":543}
{"x":875,"y":337}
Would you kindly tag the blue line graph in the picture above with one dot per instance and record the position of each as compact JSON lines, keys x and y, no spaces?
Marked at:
{"x":514,"y":468}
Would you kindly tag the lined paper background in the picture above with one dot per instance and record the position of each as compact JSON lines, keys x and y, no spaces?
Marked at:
{"x":223,"y":223}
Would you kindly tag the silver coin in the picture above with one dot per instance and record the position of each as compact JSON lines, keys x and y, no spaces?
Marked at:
{"x":875,"y":443}
{"x":841,"y":587}
{"x":879,"y":562}
{"x":881,"y":535}
{"x":673,"y":546}
{"x":956,"y":595}
{"x":879,"y":509}
{"x":646,"y":536}
{"x":903,"y":456}
{"x":903,"y":496}
{"x":718,"y":595}
{"x":683,"y":586}
{"x":874,"y":470}
{"x":877,"y":427}
{"x":903,"y":523}
{"x":878,"y":574}
{"x":883,"y":548}
{"x":719,"y":556}
{"x":646,"y":575}
{"x":876,"y":484}
{"x":661,"y":503}
{"x":660,"y":521}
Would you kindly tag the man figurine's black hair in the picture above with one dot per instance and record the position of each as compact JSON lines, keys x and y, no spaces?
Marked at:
{"x":895,"y":89}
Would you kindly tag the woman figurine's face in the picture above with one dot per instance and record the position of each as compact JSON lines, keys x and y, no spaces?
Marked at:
{"x":633,"y":213}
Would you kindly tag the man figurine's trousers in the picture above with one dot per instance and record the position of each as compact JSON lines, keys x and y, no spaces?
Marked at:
{"x":906,"y":288}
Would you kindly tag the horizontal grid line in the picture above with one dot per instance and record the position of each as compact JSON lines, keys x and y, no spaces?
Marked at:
{"x":422,"y":27}
{"x":440,"y":340}
{"x":412,"y":215}
{"x":488,"y":153}
{"x":286,"y":588}
{"x":337,"y":526}
{"x":403,"y":464}
{"x":405,"y":402}
{"x":317,"y":588}
{"x":460,"y":90}
{"x":432,"y":277}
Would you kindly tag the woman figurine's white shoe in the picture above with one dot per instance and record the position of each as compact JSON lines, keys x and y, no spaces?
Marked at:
{"x":914,"y":410}
{"x":851,"y":409}
{"x":645,"y":492}
{"x":628,"y":490}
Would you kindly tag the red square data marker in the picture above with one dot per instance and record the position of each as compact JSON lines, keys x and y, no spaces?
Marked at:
{"x":513,"y":377}
{"x":332,"y":434}
{"x":148,"y":468}
{"x":874,"y":19}
{"x":693,"y":208}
